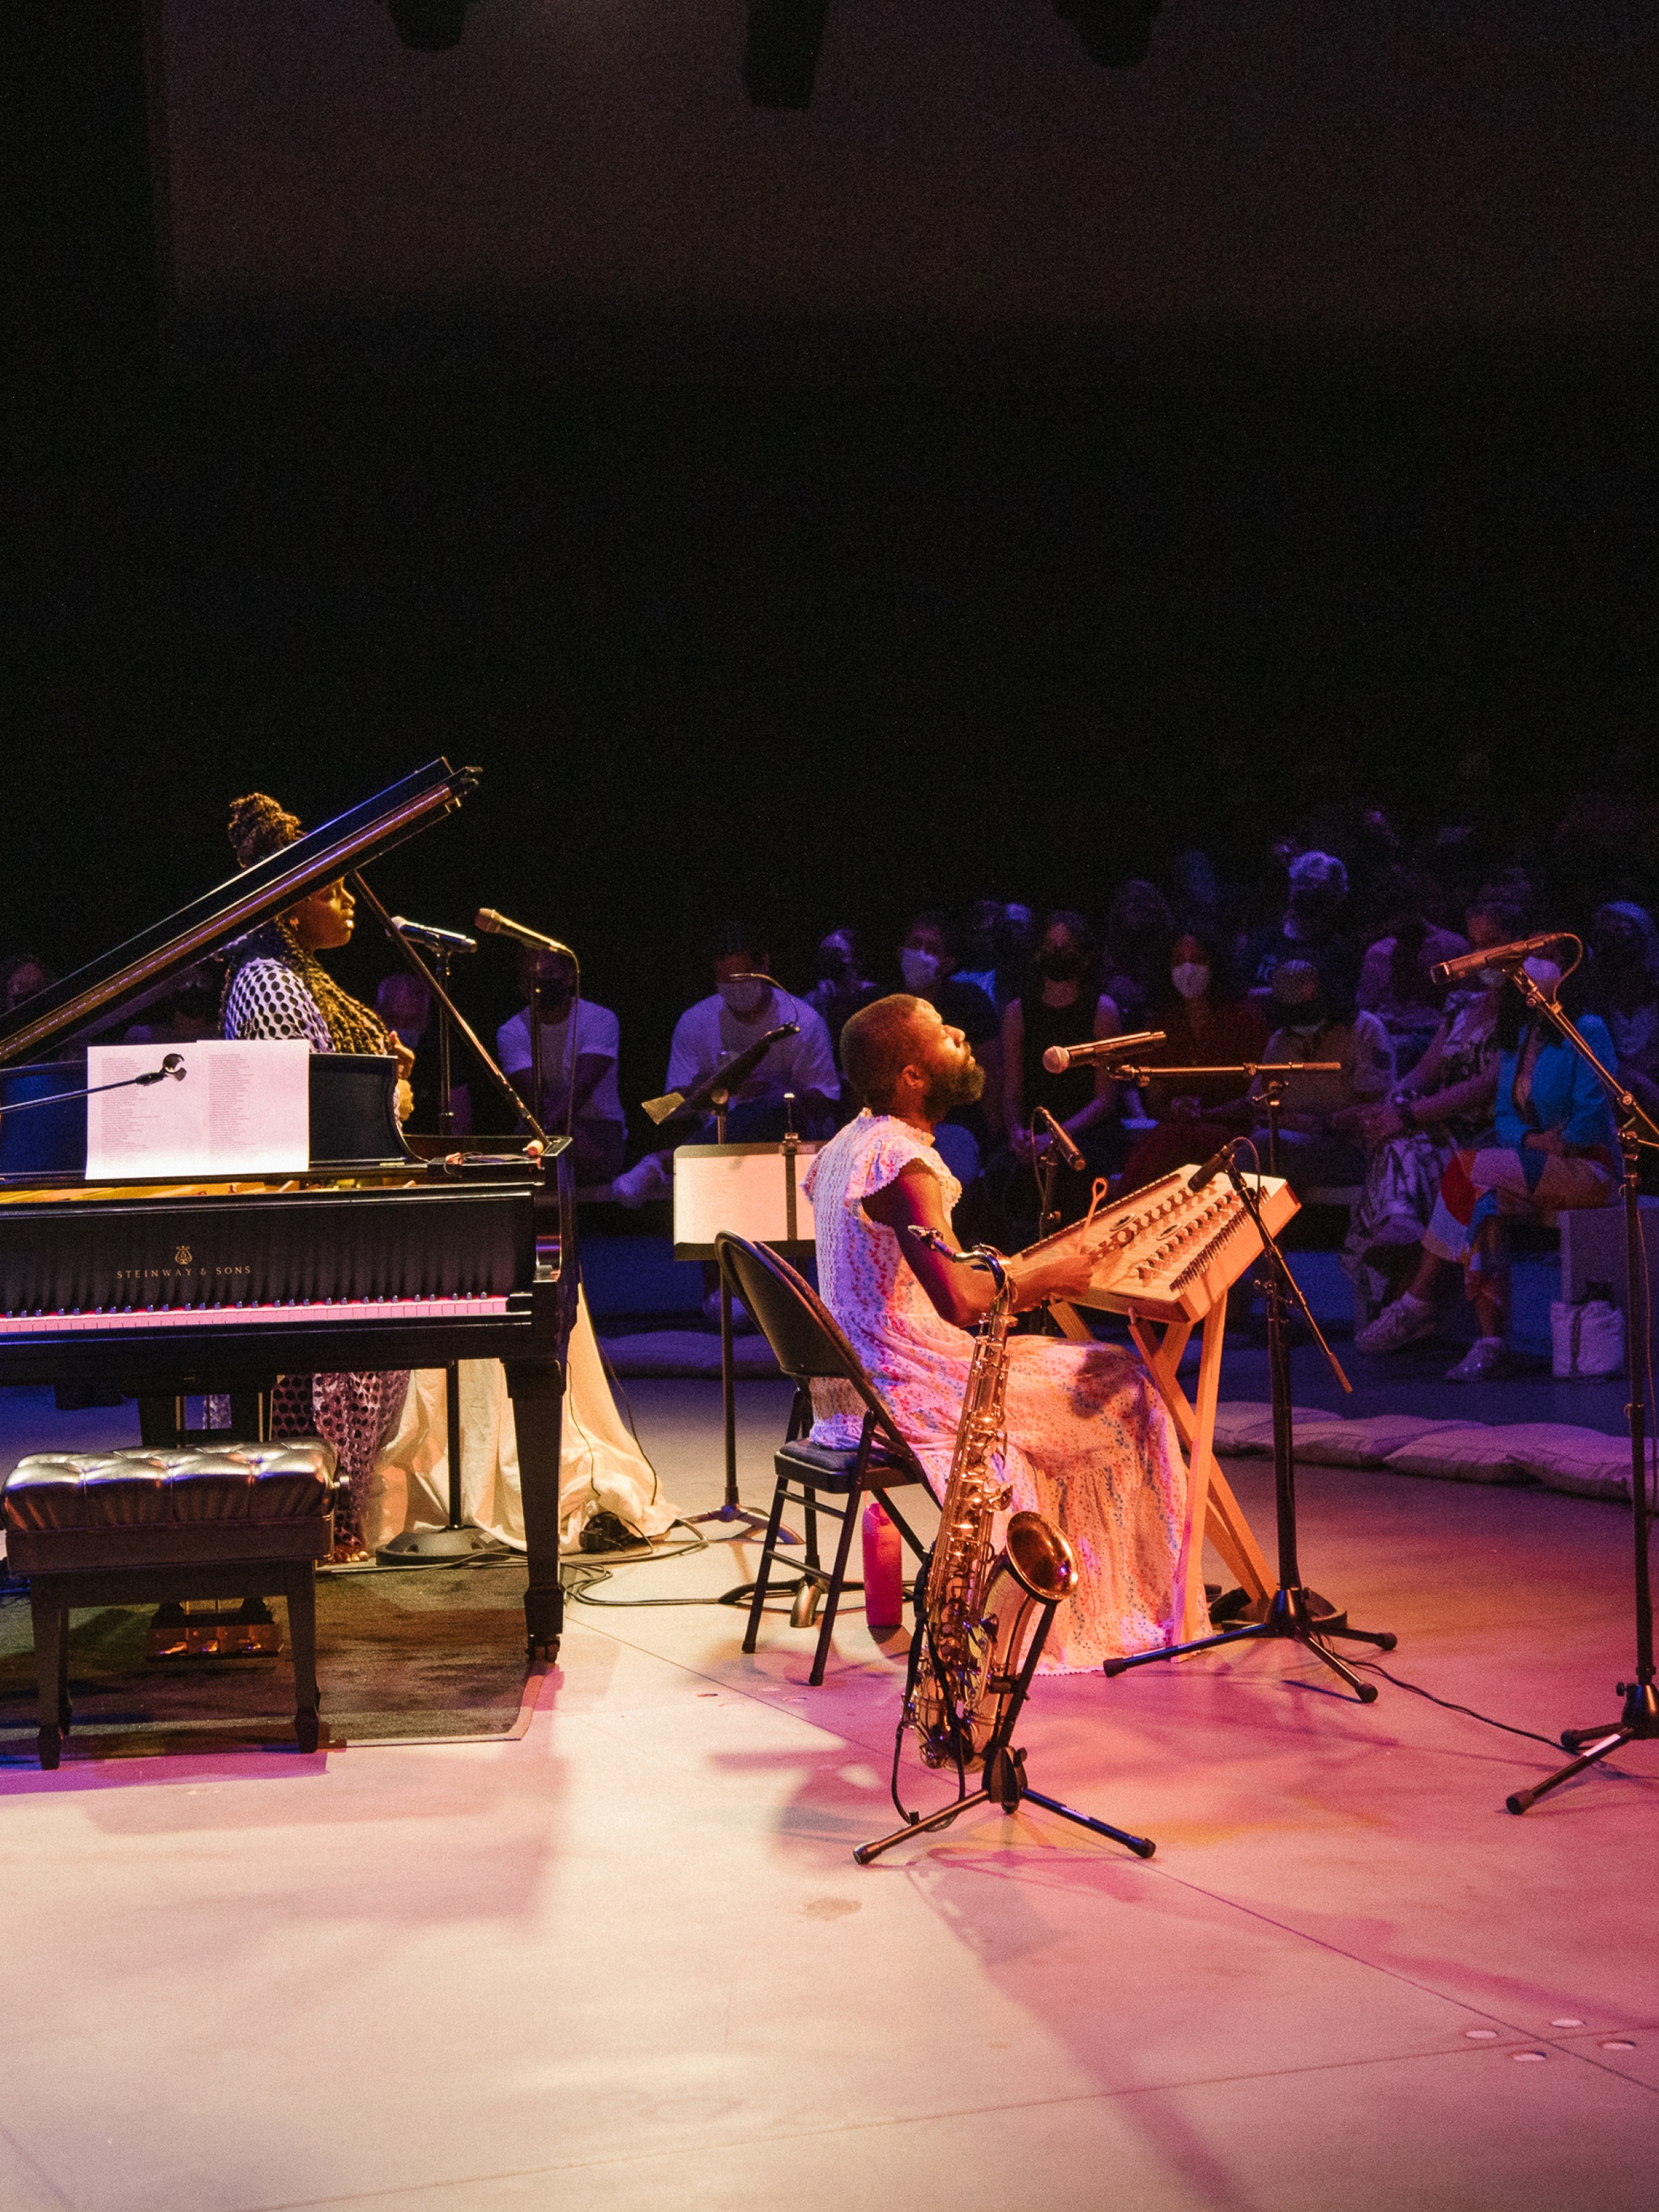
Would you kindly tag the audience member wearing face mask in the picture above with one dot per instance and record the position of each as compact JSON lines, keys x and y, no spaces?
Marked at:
{"x":1062,"y":1004}
{"x":1207,"y":1022}
{"x":1140,"y":929}
{"x":1553,"y":1150}
{"x":843,"y":982}
{"x":1321,"y":1145}
{"x":928,"y":964}
{"x":743,"y":1005}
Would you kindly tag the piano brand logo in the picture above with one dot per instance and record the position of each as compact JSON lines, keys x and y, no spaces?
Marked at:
{"x":181,"y":1255}
{"x":181,"y":1266}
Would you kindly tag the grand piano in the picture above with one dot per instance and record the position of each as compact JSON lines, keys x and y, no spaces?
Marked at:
{"x":376,"y":1258}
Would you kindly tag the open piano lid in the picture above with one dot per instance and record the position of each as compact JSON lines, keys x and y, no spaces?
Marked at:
{"x":91,"y":998}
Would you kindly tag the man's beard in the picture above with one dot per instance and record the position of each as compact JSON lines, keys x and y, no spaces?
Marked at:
{"x":952,"y":1087}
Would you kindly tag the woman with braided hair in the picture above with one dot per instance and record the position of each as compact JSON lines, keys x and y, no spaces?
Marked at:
{"x":276,"y":986}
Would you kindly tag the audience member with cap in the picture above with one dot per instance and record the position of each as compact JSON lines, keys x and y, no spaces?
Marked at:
{"x":1308,"y":929}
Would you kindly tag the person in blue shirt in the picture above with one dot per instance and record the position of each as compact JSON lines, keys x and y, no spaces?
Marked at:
{"x":1554,"y":1149}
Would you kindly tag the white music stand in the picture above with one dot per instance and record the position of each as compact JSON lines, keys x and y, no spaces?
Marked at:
{"x":751,"y":1191}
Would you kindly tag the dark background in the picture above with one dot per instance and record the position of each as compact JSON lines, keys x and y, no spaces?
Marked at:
{"x":750,"y":579}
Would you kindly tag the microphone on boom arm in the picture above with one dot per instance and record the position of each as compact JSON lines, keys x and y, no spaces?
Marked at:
{"x":1499,"y":956}
{"x":1059,"y":1057}
{"x":1062,"y":1142}
{"x":498,"y":925}
{"x":434,"y":939}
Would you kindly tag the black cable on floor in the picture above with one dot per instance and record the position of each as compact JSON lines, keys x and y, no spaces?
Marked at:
{"x":1448,"y":1705}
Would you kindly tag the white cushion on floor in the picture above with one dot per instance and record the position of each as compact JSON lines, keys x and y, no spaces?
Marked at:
{"x":1368,"y":1441}
{"x":1243,"y":1425}
{"x":1581,"y":1460}
{"x":1475,"y":1454}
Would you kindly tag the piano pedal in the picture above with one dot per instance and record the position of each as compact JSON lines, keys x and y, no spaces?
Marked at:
{"x":200,"y":1629}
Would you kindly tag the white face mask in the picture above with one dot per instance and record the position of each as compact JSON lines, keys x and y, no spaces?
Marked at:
{"x":1191,"y":978}
{"x":745,"y":1000}
{"x":920,"y":969}
{"x":1545,"y":974}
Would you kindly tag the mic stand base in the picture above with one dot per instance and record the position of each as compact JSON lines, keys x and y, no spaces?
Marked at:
{"x":731,"y":1507}
{"x":1637,"y":1723}
{"x":1294,"y":1614}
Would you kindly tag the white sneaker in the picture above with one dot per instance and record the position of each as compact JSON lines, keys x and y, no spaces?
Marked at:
{"x":641,"y":1183}
{"x":1397,"y":1326}
{"x":1486,"y":1356}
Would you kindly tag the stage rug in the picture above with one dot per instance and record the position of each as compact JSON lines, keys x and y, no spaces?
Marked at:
{"x":404,"y":1655}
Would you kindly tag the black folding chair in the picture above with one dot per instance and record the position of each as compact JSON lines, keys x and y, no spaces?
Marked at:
{"x":807,"y":1343}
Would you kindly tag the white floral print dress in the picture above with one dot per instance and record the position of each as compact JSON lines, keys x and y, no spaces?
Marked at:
{"x":1089,"y":1444}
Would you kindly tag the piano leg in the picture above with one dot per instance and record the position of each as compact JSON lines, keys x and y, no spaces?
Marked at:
{"x":536,"y":1389}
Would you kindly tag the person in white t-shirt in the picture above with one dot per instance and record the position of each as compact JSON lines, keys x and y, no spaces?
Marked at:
{"x":744,"y":1005}
{"x":599,"y":1126}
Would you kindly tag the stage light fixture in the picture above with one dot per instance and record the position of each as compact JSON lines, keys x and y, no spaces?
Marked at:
{"x":1116,"y":34}
{"x":430,"y":27}
{"x":780,"y":52}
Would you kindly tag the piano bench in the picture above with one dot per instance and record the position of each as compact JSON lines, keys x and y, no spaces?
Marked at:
{"x":146,"y":1527}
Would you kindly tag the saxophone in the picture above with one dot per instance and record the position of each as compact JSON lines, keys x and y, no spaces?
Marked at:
{"x":976,"y":1615}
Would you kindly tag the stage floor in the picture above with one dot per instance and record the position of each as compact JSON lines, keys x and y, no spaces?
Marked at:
{"x":627,"y":1964}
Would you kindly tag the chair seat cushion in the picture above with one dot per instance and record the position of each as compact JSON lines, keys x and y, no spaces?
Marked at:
{"x":65,"y":1511}
{"x":831,"y":1467}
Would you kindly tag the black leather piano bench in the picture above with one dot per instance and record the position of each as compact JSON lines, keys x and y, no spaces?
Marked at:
{"x":144,"y":1527}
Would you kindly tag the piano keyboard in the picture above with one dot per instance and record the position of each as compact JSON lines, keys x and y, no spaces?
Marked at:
{"x":113,"y":1321}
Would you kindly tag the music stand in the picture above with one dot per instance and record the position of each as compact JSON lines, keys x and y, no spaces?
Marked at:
{"x":751,"y":1191}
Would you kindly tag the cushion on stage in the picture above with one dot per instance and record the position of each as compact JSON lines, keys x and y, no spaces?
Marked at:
{"x":1242,"y":1426}
{"x":70,"y":1512}
{"x":1478,"y":1454}
{"x":1368,"y":1440}
{"x":1585,"y":1463}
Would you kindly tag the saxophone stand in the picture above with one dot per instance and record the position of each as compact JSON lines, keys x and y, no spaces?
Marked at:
{"x":1005,"y":1783}
{"x":1638,"y":1721}
{"x":1293,"y":1613}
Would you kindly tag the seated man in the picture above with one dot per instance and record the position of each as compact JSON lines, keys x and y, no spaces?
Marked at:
{"x":745,"y":1003}
{"x":1089,"y":1444}
{"x":599,"y":1126}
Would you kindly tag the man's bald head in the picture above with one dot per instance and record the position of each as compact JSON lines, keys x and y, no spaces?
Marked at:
{"x":878,"y":1044}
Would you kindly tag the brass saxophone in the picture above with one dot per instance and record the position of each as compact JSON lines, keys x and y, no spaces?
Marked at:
{"x":977,"y":1615}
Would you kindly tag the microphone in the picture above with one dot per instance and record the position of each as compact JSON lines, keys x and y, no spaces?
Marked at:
{"x":1059,"y":1057}
{"x":172,"y":1066}
{"x":498,"y":925}
{"x":434,"y":939}
{"x":1217,"y":1164}
{"x":1062,"y":1142}
{"x":1498,"y":956}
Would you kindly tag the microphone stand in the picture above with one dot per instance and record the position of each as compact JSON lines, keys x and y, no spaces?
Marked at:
{"x":172,"y":1067}
{"x":1294,"y":1614}
{"x":1638,"y":1720}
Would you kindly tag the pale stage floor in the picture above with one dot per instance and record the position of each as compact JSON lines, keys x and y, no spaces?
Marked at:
{"x":628,"y":1963}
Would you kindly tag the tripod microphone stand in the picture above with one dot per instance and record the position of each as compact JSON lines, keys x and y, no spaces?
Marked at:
{"x":1638,"y":1721}
{"x":1294,"y":1614}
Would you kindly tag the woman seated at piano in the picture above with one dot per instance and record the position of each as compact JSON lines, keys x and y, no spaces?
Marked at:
{"x":276,"y":987}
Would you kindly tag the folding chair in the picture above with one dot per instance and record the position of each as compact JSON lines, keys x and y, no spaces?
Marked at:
{"x":807,"y":1343}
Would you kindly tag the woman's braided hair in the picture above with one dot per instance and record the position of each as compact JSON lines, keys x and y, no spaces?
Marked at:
{"x":258,"y":828}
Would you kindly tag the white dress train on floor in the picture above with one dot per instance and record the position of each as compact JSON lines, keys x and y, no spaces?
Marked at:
{"x":602,"y":1466}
